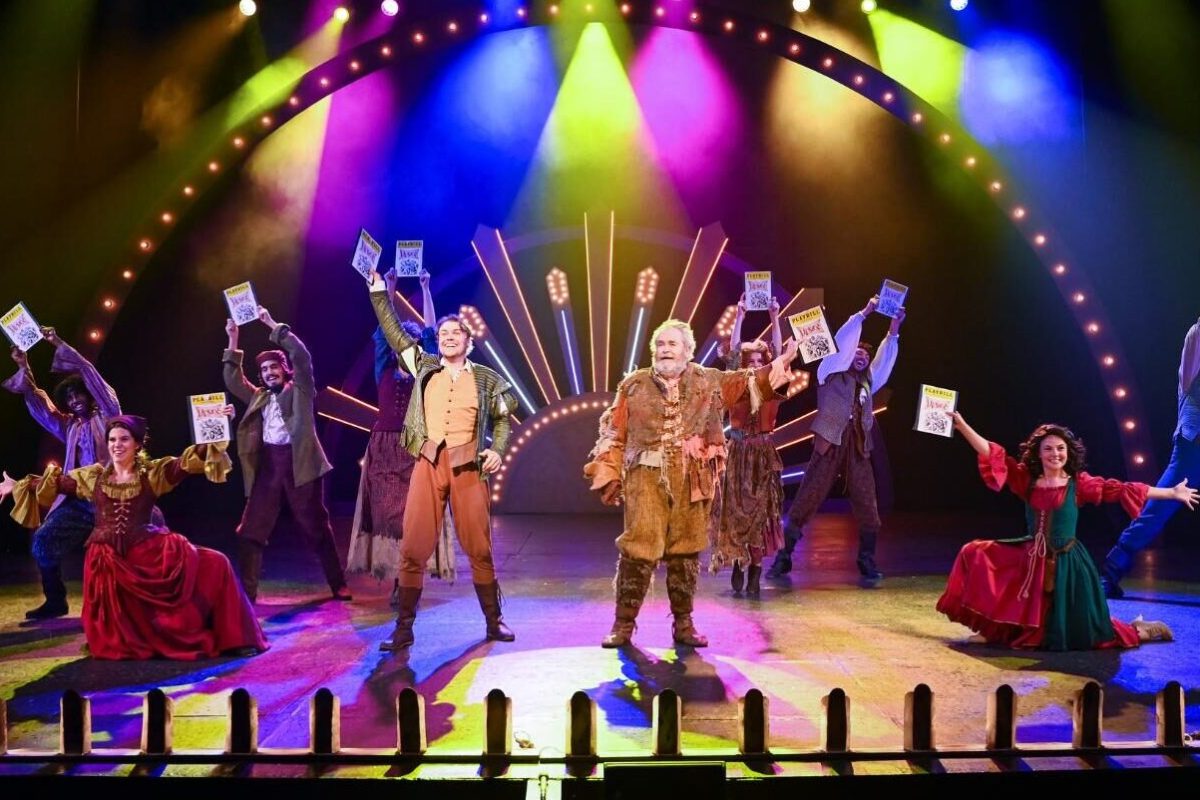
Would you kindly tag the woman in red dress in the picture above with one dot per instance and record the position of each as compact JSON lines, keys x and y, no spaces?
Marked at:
{"x":1041,"y":591}
{"x":147,"y":592}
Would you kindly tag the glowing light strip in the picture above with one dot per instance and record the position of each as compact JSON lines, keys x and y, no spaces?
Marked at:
{"x":637,"y":335}
{"x":504,"y":307}
{"x":686,"y":269}
{"x":352,"y":398}
{"x":711,"y":347}
{"x":532,"y":327}
{"x":516,"y":386}
{"x":787,"y":475}
{"x":708,"y":278}
{"x":587,"y":264}
{"x":783,"y":315}
{"x":343,"y":421}
{"x":612,"y":227}
{"x":566,"y":336}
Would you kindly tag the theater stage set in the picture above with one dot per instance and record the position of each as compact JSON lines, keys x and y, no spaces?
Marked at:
{"x":579,"y":172}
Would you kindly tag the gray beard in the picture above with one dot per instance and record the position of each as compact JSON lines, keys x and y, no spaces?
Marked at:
{"x":670,"y":372}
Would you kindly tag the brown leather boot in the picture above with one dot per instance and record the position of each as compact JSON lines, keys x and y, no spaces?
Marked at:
{"x":402,"y":636}
{"x":631,"y":584}
{"x":489,"y":601}
{"x":682,"y":574}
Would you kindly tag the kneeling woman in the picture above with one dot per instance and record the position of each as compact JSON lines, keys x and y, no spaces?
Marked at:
{"x":147,"y":592}
{"x":1041,"y":591}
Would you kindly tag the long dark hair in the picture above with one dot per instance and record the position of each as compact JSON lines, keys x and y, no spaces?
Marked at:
{"x":1076,"y":452}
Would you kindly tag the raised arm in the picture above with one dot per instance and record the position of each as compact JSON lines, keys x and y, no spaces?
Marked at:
{"x":735,"y":333}
{"x":39,"y":404}
{"x":231,"y":361}
{"x":393,"y":331}
{"x":1189,"y":359}
{"x":302,"y":367}
{"x":847,"y":338}
{"x":976,"y":441}
{"x":885,"y":356}
{"x":68,"y":359}
{"x":776,"y":331}
{"x":427,"y":301}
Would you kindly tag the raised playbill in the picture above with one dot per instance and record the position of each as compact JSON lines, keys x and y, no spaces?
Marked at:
{"x":933,"y":410}
{"x":891,"y":298}
{"x":813,"y":337}
{"x":243,"y":305}
{"x":366,"y":254}
{"x":758,"y":291}
{"x":21,"y":328}
{"x":209,"y":421}
{"x":409,"y":257}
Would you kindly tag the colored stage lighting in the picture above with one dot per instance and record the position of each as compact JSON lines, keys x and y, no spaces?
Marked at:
{"x":868,"y":6}
{"x":800,"y":6}
{"x":341,"y":14}
{"x":248,"y":8}
{"x":390,"y":7}
{"x":958,"y":5}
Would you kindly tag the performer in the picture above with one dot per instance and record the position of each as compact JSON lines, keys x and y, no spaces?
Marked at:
{"x":1184,"y":463}
{"x":1041,"y":591}
{"x":745,"y":525}
{"x":847,"y":382}
{"x":661,"y":448}
{"x":446,"y":429}
{"x":76,"y":415}
{"x":387,"y":467}
{"x":281,"y":456}
{"x":148,"y":592}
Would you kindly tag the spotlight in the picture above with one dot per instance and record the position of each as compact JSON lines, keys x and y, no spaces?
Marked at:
{"x":958,"y":5}
{"x":868,"y":6}
{"x":390,"y":8}
{"x":800,"y":6}
{"x":248,"y":8}
{"x":341,"y":14}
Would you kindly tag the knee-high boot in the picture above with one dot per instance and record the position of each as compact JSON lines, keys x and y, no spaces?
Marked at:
{"x":489,"y":601}
{"x":406,"y":615}
{"x":631,"y":584}
{"x":682,"y":574}
{"x":249,"y":561}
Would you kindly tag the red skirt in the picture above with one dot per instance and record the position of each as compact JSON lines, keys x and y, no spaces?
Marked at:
{"x":165,"y":598}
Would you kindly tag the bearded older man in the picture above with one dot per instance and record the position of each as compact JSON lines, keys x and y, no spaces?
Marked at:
{"x":661,"y":448}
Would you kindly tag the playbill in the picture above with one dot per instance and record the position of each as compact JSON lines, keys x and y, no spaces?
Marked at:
{"x":758,"y":291}
{"x":21,"y":328}
{"x":933,"y":410}
{"x":366,"y":254}
{"x":243,"y":305}
{"x":209,"y":423}
{"x":813,"y":337}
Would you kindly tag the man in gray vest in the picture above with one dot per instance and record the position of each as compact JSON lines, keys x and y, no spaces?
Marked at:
{"x":847,"y":380}
{"x":1184,"y":466}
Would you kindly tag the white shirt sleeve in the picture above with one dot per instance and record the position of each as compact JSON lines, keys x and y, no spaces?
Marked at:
{"x":847,"y":339}
{"x":885,"y":359}
{"x":1189,"y":360}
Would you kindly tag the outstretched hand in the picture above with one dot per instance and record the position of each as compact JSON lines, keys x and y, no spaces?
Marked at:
{"x":1189,"y":497}
{"x":790,"y":348}
{"x":6,"y":486}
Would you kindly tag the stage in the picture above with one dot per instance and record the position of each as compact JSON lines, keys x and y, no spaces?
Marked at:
{"x":813,"y":632}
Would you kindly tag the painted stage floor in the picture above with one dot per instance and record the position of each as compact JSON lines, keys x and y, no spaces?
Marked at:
{"x":815,"y":631}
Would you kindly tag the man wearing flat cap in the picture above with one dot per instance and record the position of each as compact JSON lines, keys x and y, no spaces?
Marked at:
{"x":281,"y":456}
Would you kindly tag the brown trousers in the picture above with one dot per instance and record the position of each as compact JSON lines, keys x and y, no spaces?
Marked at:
{"x":433,"y":484}
{"x":660,"y":518}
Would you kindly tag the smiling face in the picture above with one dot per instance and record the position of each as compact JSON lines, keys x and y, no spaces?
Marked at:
{"x":670,"y":352}
{"x":122,"y":447}
{"x":273,"y":375}
{"x":452,"y":339}
{"x":1053,"y":454}
{"x":861,"y":359}
{"x":79,"y":402}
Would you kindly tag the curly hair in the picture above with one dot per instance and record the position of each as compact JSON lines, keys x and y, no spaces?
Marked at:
{"x":1076,"y":452}
{"x":73,"y":382}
